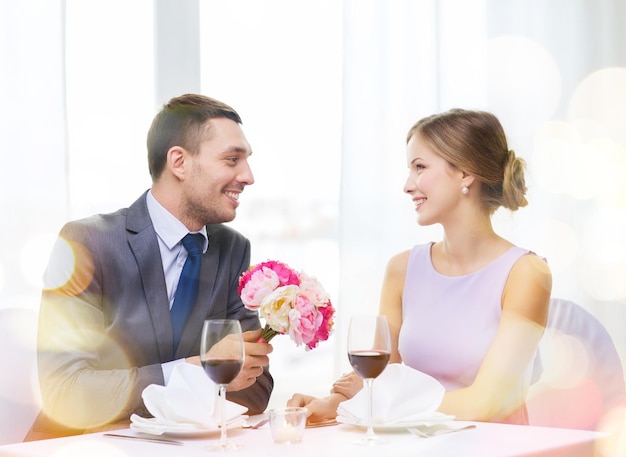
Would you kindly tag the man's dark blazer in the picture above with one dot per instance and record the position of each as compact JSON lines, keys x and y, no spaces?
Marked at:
{"x":105,"y":331}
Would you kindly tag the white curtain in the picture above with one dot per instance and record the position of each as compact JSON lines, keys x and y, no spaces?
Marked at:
{"x":33,"y":188}
{"x":327,"y":91}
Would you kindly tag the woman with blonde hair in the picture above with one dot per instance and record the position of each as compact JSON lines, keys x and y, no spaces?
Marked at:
{"x":469,"y":309}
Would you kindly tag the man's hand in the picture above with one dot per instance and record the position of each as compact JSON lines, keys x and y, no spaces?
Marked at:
{"x":256,"y":357}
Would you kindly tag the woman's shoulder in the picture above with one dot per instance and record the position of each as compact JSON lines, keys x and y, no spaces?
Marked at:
{"x":527,"y":266}
{"x":399,"y":261}
{"x":532,"y":265}
{"x":528,"y":288}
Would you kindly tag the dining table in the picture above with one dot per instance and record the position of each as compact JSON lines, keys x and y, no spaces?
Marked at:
{"x":479,"y":439}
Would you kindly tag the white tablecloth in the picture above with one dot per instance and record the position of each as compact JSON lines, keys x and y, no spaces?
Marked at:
{"x":485,"y":440}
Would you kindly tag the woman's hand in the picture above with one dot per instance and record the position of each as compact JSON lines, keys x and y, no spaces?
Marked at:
{"x":318,"y":409}
{"x":322,"y":409}
{"x":348,"y":385}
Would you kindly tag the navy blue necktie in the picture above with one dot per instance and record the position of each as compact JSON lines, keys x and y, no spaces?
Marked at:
{"x":187,"y":289}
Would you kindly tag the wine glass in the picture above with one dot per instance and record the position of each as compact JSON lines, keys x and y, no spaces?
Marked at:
{"x":222,"y":355}
{"x":369,"y":348}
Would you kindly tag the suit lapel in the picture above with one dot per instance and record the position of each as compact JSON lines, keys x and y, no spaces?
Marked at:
{"x":143,"y":242}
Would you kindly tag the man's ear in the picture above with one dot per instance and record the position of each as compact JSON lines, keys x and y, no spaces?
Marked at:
{"x":176,"y":161}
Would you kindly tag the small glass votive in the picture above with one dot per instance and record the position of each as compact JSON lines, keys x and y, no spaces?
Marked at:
{"x":287,"y":424}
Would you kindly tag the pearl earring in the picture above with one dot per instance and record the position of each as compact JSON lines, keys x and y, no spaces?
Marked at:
{"x":464,"y":190}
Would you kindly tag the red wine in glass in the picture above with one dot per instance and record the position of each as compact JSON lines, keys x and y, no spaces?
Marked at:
{"x":368,"y":364}
{"x":222,"y":355}
{"x":369,"y":350}
{"x":222,"y":371}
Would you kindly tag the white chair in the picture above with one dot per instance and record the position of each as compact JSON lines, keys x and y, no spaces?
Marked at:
{"x":19,"y":390}
{"x":581,"y":377}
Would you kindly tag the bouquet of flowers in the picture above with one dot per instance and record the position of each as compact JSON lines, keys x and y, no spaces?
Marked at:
{"x":290,"y":302}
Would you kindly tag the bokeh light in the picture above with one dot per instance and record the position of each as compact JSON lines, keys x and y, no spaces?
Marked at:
{"x":565,"y":359}
{"x":64,"y":254}
{"x":614,"y":185}
{"x":601,"y":98}
{"x":567,"y":375}
{"x":557,"y":242}
{"x":62,"y":397}
{"x":603,"y":260}
{"x":609,"y":165}
{"x":613,"y":423}
{"x":576,"y":160}
{"x":73,"y":267}
{"x":523,"y":83}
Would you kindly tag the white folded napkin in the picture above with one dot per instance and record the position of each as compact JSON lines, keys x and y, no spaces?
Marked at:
{"x":188,"y":402}
{"x":400,"y":394}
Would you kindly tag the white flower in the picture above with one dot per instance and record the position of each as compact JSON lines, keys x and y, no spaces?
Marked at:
{"x":275,"y":307}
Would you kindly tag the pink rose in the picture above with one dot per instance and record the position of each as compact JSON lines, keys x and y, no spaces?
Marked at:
{"x":286,"y":275}
{"x":303,"y":320}
{"x":325,"y":328}
{"x":312,"y":288}
{"x":260,"y":283}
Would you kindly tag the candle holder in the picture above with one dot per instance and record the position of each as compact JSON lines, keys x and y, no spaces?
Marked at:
{"x":287,"y":424}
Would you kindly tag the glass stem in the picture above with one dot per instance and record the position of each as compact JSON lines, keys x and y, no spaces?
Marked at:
{"x":370,"y":427}
{"x":222,"y":402}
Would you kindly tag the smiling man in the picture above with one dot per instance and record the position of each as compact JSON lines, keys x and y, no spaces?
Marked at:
{"x":107,"y":320}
